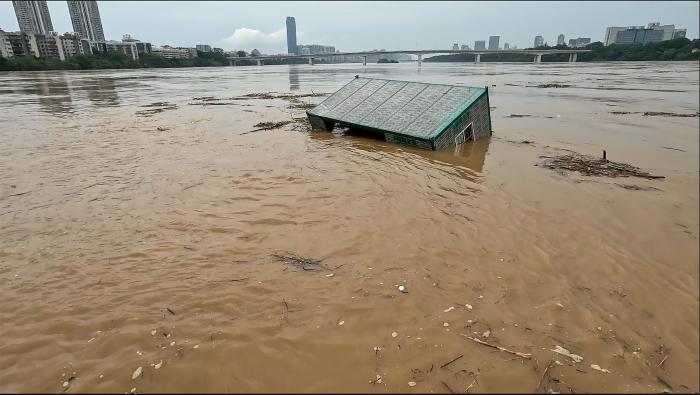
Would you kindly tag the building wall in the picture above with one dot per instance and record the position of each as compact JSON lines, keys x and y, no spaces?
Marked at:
{"x":480,"y":45}
{"x":85,"y":16}
{"x":33,"y":16}
{"x":654,"y":32}
{"x":126,"y":48}
{"x":5,"y":46}
{"x":478,"y":115}
{"x":175,"y":53}
{"x":639,"y":36}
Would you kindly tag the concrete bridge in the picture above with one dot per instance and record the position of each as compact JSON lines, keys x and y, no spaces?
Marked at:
{"x":536,"y":53}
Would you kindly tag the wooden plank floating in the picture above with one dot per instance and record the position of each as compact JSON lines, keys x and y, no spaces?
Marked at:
{"x":430,"y":116}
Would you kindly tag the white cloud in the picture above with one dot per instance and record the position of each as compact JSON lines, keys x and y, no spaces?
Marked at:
{"x":247,"y":39}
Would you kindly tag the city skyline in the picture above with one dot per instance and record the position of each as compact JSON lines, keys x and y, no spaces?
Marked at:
{"x":248,"y":25}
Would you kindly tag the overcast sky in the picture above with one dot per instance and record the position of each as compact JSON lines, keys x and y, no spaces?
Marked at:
{"x":356,"y":26}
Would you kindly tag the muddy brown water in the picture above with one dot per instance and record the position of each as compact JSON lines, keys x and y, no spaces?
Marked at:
{"x":109,"y":218}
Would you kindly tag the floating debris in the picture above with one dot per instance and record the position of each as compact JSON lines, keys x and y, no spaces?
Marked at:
{"x":267,"y":126}
{"x":137,"y":373}
{"x":561,"y":350}
{"x":155,"y":108}
{"x":411,"y":383}
{"x":196,"y":346}
{"x":553,"y":86}
{"x":403,"y":289}
{"x":153,"y":332}
{"x":447,"y":310}
{"x":341,"y":323}
{"x":329,"y":275}
{"x":598,"y":368}
{"x":376,"y":380}
{"x":445,"y":324}
{"x":486,"y":334}
{"x":302,"y":263}
{"x":658,"y":114}
{"x":158,"y":365}
{"x":468,"y":306}
{"x":394,"y":334}
{"x":591,"y":166}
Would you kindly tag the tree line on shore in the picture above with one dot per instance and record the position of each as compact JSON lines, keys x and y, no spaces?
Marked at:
{"x":677,"y":49}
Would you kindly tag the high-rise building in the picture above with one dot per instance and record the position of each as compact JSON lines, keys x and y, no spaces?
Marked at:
{"x":480,"y":45}
{"x":314,"y":49}
{"x":455,"y":47}
{"x":539,"y":41}
{"x":679,"y":33}
{"x":465,"y":47}
{"x":493,"y":43}
{"x":203,"y":48}
{"x":506,"y":46}
{"x":579,"y":42}
{"x":86,"y":20}
{"x":654,"y":32}
{"x":292,"y":35}
{"x":33,"y":16}
{"x":561,"y":40}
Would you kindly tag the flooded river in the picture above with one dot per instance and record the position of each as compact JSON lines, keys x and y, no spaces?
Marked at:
{"x":132,"y":237}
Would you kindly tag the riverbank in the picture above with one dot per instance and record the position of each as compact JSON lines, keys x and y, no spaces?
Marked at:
{"x":680,"y":49}
{"x":673,"y":50}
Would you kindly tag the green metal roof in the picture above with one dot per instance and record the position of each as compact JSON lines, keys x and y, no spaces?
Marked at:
{"x":410,"y":108}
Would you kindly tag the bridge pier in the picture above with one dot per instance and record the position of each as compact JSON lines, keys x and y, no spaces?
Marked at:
{"x":311,"y":61}
{"x":231,"y":62}
{"x":260,"y":62}
{"x":477,"y":58}
{"x":420,"y":59}
{"x":572,"y":57}
{"x":364,"y":60}
{"x":538,"y":58}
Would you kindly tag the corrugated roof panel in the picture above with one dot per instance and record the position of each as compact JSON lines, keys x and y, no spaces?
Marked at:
{"x":338,"y":97}
{"x":428,"y":124}
{"x":374,"y":101}
{"x":357,"y":98}
{"x":415,"y":109}
{"x":378,"y":117}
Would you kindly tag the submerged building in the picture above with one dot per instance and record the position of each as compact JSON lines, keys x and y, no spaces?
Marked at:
{"x":430,"y":116}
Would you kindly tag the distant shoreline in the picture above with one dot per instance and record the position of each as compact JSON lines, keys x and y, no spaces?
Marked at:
{"x":680,"y":49}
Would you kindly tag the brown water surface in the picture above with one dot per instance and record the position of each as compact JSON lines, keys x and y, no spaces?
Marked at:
{"x":115,"y":223}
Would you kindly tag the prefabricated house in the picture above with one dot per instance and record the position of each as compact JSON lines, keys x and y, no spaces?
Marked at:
{"x":430,"y":116}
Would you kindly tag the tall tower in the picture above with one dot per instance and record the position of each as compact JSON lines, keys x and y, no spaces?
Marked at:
{"x":560,"y":40}
{"x":33,"y":16}
{"x":493,"y":43}
{"x":292,"y":35}
{"x":539,"y":41}
{"x":86,"y":20}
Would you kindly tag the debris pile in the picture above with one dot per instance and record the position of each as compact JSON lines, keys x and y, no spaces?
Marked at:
{"x":155,"y":108}
{"x":300,"y":262}
{"x":591,"y":166}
